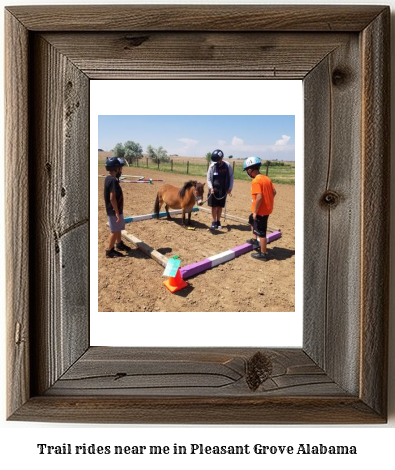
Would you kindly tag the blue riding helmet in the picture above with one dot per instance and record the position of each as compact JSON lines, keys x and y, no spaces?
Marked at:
{"x":114,"y":162}
{"x":217,"y":155}
{"x":251,"y":162}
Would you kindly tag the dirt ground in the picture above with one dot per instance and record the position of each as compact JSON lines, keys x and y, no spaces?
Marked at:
{"x":134,"y":283}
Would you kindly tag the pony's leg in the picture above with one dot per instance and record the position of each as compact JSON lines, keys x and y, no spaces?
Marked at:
{"x":189,"y":216}
{"x":167,"y":212}
{"x":157,"y":206}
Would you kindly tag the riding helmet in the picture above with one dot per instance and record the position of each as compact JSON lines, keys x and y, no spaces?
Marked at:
{"x":114,"y":162}
{"x":251,"y":162}
{"x":217,"y":155}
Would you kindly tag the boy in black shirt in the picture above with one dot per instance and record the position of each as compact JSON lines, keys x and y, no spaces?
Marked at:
{"x":113,"y":198}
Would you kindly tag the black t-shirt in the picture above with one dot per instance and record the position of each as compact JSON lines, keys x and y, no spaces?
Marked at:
{"x":221,"y":178}
{"x":111,"y":185}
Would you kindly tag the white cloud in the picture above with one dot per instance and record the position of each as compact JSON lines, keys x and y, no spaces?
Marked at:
{"x":236,"y":142}
{"x":283,"y":141}
{"x":189,"y":142}
{"x":187,"y":149}
{"x":280,"y":149}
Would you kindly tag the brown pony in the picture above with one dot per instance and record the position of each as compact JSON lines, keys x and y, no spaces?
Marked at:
{"x":176,"y":198}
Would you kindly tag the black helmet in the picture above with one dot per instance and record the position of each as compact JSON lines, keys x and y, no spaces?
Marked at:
{"x":114,"y":162}
{"x":217,"y":155}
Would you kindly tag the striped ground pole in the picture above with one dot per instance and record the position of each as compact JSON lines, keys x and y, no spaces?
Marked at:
{"x":136,"y":218}
{"x":208,"y":263}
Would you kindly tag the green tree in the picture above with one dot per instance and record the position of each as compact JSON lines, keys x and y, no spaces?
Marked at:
{"x":208,"y":156}
{"x":133,"y":151}
{"x":157,"y":155}
{"x":119,"y":151}
{"x":230,"y":156}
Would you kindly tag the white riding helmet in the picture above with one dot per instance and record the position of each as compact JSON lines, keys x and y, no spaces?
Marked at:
{"x":251,"y":162}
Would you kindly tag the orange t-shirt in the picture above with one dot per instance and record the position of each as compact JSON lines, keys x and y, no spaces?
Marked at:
{"x":261,"y":184}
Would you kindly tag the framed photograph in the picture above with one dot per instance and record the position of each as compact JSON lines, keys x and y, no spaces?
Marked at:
{"x":339,"y":375}
{"x":256,"y":117}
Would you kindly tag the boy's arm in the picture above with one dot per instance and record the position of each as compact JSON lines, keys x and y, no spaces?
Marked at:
{"x":231,"y":178}
{"x":258,"y":201}
{"x":114,"y":204}
{"x":209,"y":179}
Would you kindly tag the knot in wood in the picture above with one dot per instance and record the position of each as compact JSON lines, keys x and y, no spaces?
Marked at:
{"x":339,"y":77}
{"x":135,"y":41}
{"x":330,"y":199}
{"x":259,"y":369}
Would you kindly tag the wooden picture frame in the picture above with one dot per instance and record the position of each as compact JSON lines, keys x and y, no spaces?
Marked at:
{"x":340,"y":374}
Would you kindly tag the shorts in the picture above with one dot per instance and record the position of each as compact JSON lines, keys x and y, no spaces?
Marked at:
{"x":114,"y":225}
{"x":259,"y":225}
{"x":217,"y":199}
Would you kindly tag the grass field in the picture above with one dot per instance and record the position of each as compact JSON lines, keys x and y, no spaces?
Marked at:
{"x":198,"y":167}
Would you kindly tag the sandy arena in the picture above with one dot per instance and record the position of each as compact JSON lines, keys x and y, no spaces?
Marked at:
{"x":134,"y":283}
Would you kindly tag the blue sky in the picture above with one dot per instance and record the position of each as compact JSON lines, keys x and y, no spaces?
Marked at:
{"x":267,"y":137}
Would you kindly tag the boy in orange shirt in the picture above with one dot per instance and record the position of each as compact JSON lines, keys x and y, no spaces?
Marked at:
{"x":263,"y":193}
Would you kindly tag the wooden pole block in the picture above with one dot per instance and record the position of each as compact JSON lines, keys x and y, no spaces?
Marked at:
{"x":148,"y":250}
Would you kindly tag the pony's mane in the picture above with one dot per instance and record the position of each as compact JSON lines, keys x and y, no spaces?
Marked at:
{"x":186,"y":186}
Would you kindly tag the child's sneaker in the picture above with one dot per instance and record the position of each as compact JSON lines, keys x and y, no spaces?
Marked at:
{"x":121,"y":246}
{"x":113,"y":253}
{"x":218,"y":223}
{"x":213,"y":226}
{"x":261,"y":256}
{"x":254,"y":242}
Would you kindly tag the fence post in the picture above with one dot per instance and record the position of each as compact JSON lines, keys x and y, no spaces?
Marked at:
{"x":267,"y":168}
{"x":171,"y":164}
{"x":147,"y":162}
{"x":188,"y":167}
{"x":233,"y":166}
{"x":158,"y":163}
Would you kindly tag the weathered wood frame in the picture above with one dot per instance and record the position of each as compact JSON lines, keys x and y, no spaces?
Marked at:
{"x":342,"y":55}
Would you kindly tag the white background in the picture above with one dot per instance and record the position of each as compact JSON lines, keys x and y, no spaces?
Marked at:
{"x":277,"y":97}
{"x":18,"y":440}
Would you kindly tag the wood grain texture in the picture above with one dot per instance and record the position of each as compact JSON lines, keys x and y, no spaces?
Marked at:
{"x":181,"y":385}
{"x":210,"y":372}
{"x":60,"y":202}
{"x":197,"y":410}
{"x":17,"y":211}
{"x":375,"y":212}
{"x":73,"y":330}
{"x":339,"y":376}
{"x":317,"y":150}
{"x":196,"y":17}
{"x":332,"y":214}
{"x":190,"y":54}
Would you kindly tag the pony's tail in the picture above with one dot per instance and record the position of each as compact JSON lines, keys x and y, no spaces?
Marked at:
{"x":156,"y":207}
